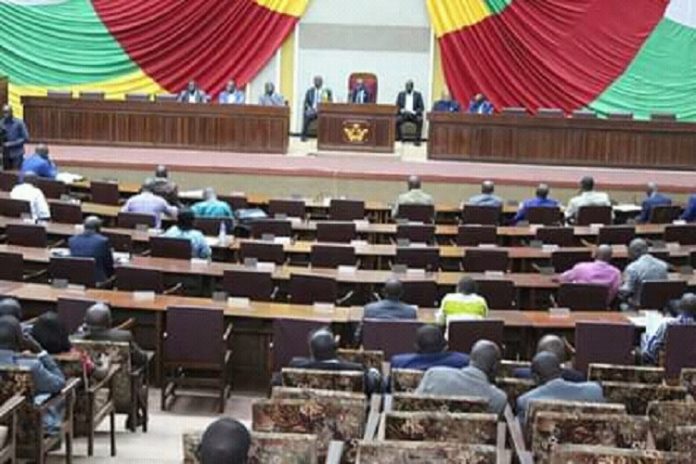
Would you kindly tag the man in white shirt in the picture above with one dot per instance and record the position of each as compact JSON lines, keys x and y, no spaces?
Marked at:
{"x":587,"y":197}
{"x":411,"y":107}
{"x":28,"y":192}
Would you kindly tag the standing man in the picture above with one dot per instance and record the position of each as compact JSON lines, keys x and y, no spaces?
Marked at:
{"x":359,"y":93}
{"x":313,"y":97}
{"x":231,"y":95}
{"x":16,"y":136}
{"x":480,"y":105}
{"x":411,"y":107}
{"x":40,"y":163}
{"x":446,"y":104}
{"x":192,"y":94}
{"x":92,"y":244}
{"x":163,"y":186}
{"x":270,"y":97}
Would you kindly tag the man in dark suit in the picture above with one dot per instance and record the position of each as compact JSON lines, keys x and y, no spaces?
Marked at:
{"x":653,"y":198}
{"x":359,"y":93}
{"x":91,"y":244}
{"x":553,"y":344}
{"x":192,"y":94}
{"x":314,"y":95}
{"x":431,"y":351}
{"x":390,"y":307}
{"x":411,"y":107}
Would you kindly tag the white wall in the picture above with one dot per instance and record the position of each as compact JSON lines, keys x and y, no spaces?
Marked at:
{"x":269,"y":73}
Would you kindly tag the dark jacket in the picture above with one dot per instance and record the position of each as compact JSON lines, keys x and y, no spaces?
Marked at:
{"x":91,"y":245}
{"x":656,"y":199}
{"x":389,"y":309}
{"x":373,"y":379}
{"x":418,"y":105}
{"x":309,"y":97}
{"x":571,"y":375}
{"x":424,"y":361}
{"x":354,"y":95}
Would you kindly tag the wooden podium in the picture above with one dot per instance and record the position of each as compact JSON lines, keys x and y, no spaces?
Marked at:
{"x":350,"y":127}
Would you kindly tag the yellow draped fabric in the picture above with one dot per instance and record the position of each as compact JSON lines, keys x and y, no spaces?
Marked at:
{"x":452,"y":15}
{"x":289,"y":7}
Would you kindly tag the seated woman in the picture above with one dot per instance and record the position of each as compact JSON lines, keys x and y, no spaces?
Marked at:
{"x":184,"y":229}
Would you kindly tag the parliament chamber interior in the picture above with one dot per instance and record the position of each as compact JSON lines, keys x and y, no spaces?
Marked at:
{"x":319,"y":231}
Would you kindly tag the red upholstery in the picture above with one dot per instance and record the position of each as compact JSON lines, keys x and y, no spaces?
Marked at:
{"x":370,"y":81}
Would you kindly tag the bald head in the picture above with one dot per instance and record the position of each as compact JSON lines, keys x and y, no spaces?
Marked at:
{"x":545,"y":367}
{"x":542,"y":191}
{"x":29,"y":177}
{"x":552,"y":344}
{"x":604,"y":253}
{"x":322,"y":345}
{"x":687,"y":305}
{"x":485,"y":356}
{"x":209,"y":193}
{"x":11,"y":307}
{"x":487,"y":187}
{"x":7,"y":111}
{"x":651,"y":188}
{"x":637,"y":248}
{"x":587,"y":184}
{"x":10,"y":333}
{"x":393,"y":289}
{"x":92,"y":224}
{"x":98,"y":317}
{"x":161,"y":172}
{"x":42,"y":150}
{"x":414,"y":183}
{"x":430,"y":339}
{"x":467,"y":286}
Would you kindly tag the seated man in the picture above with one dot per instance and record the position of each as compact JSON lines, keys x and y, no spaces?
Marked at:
{"x":231,"y":95}
{"x":47,"y":377}
{"x":164,"y":186}
{"x":487,"y":196}
{"x":211,"y":207}
{"x":26,"y":191}
{"x":414,"y":196}
{"x":465,"y":303}
{"x":553,"y":344}
{"x":431,"y":351}
{"x":446,"y":104}
{"x":474,"y":380}
{"x":541,"y":200}
{"x":479,"y":104}
{"x":11,"y":307}
{"x":599,"y":271}
{"x":192,"y":94}
{"x":270,"y":97}
{"x":656,"y":343}
{"x":588,"y":197}
{"x":689,"y":214}
{"x":146,"y":202}
{"x":225,"y":441}
{"x":92,"y":244}
{"x":390,"y":307}
{"x":547,"y":371}
{"x":644,"y":266}
{"x":652,"y":198}
{"x":184,"y":229}
{"x":40,"y":163}
{"x":410,"y":106}
{"x":359,"y":94}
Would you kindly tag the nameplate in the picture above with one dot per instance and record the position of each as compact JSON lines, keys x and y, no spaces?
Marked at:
{"x":121,"y":257}
{"x":60,"y":252}
{"x":27,"y":217}
{"x":347,"y":270}
{"x":686,"y":270}
{"x":295,"y":220}
{"x":549,"y":248}
{"x":239,"y":303}
{"x":673,"y":246}
{"x":403,"y":242}
{"x":143,"y":296}
{"x":534,"y":228}
{"x":358,"y":243}
{"x":361,"y":223}
{"x":679,"y":222}
{"x":659,"y":244}
{"x":547,"y":270}
{"x":59,"y":283}
{"x":401,"y":221}
{"x":251,"y":263}
{"x":415,"y":272}
{"x":267,"y":237}
{"x":523,"y":224}
{"x":326,"y":202}
{"x":494,"y":274}
{"x":487,"y":246}
{"x":323,"y":307}
{"x":559,"y":312}
{"x":399,"y":268}
{"x":199,"y":262}
{"x":79,"y":228}
{"x":220,"y":297}
{"x":282,"y":240}
{"x":536,"y":244}
{"x":238,"y":194}
{"x":266,"y":267}
{"x":77,"y":289}
{"x":280,"y":216}
{"x":142,"y":227}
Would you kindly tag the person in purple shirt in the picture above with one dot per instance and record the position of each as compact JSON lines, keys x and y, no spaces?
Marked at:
{"x":40,"y":164}
{"x":540,"y":200}
{"x":599,"y":271}
{"x":689,"y":214}
{"x":653,"y":198}
{"x":431,"y":350}
{"x":147,"y":202}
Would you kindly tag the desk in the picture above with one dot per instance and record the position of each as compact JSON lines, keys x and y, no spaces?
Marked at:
{"x":4,"y":94}
{"x":349,"y":127}
{"x":567,"y":141}
{"x":239,"y":128}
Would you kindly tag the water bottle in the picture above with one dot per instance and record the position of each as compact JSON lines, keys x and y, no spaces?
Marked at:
{"x":222,"y":235}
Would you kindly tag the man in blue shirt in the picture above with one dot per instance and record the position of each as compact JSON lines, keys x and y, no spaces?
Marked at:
{"x":656,"y":343}
{"x":480,"y":105}
{"x":653,"y":198}
{"x":231,"y":95}
{"x":541,"y":200}
{"x":211,"y":207}
{"x":446,"y":104}
{"x":40,"y":164}
{"x":184,"y":230}
{"x":487,"y":197}
{"x":16,"y":136}
{"x":431,"y":351}
{"x":689,"y":214}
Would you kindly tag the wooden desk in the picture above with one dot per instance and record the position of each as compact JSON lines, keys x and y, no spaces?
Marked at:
{"x":349,"y":127}
{"x":239,"y":128}
{"x":568,"y":141}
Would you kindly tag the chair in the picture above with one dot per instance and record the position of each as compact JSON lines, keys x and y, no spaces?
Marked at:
{"x":168,"y":247}
{"x":138,"y":97}
{"x":656,"y":294}
{"x":637,"y":396}
{"x":665,"y":417}
{"x":562,"y":260}
{"x":416,"y":213}
{"x":166,"y":98}
{"x":332,"y":256}
{"x":52,"y":189}
{"x":104,"y":192}
{"x":369,"y":359}
{"x":235,"y":201}
{"x":474,"y":428}
{"x":584,"y":114}
{"x":345,"y":381}
{"x":136,"y":279}
{"x":276,"y":227}
{"x":65,"y":212}
{"x":550,"y":113}
{"x":624,"y":116}
{"x":369,"y":80}
{"x":418,"y":257}
{"x":588,"y":215}
{"x":290,"y":340}
{"x":379,"y":452}
{"x":632,"y":374}
{"x":14,"y":208}
{"x":343,"y":232}
{"x":413,"y":402}
{"x":679,"y":349}
{"x":419,"y":233}
{"x":544,"y":215}
{"x":560,"y":236}
{"x":664,"y":214}
{"x":119,"y":242}
{"x":290,"y":208}
{"x":475,"y":235}
{"x":616,"y":235}
{"x":29,"y":235}
{"x":211,"y":226}
{"x":499,"y":294}
{"x":346,"y":210}
{"x":262,"y":251}
{"x":91,"y":95}
{"x":11,"y":266}
{"x":422,"y":293}
{"x":583,"y":297}
{"x":664,"y":117}
{"x":310,"y":289}
{"x":71,"y":312}
{"x":482,"y":215}
{"x":485,"y":260}
{"x":591,"y":453}
{"x":603,"y":343}
{"x":8,"y":417}
{"x":78,"y":271}
{"x":405,"y":380}
{"x":255,"y":285}
{"x":135,"y":220}
{"x":8,"y":180}
{"x":392,"y":337}
{"x":682,"y":234}
{"x":184,"y":356}
{"x":64,"y":94}
{"x":515,"y":111}
{"x":462,"y":335}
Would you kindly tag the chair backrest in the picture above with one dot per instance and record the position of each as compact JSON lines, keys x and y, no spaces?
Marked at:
{"x":290,"y":208}
{"x":588,"y":215}
{"x":486,"y":260}
{"x":561,"y":236}
{"x":346,"y":210}
{"x":51,"y":188}
{"x":255,"y":285}
{"x":636,"y":374}
{"x":104,"y":192}
{"x":65,"y":212}
{"x":392,"y":337}
{"x":680,"y":351}
{"x":30,"y":235}
{"x":290,"y":340}
{"x":310,"y":289}
{"x":472,"y":428}
{"x":78,"y":271}
{"x":332,"y":256}
{"x":211,"y":226}
{"x":11,"y":266}
{"x":515,"y":111}
{"x":14,"y":208}
{"x":379,"y":452}
{"x":422,"y":293}
{"x":405,"y":380}
{"x":583,"y":297}
{"x":180,"y":347}
{"x":637,"y":396}
{"x":8,"y":180}
{"x":133,"y":279}
{"x":168,"y":247}
{"x":475,"y":235}
{"x":262,"y":251}
{"x":403,"y":401}
{"x":139,"y":97}
{"x":333,"y":231}
{"x":417,"y":212}
{"x":616,"y":235}
{"x":419,"y":233}
{"x":498,"y":293}
{"x":71,"y":312}
{"x":625,"y":116}
{"x":584,"y":114}
{"x":562,"y":260}
{"x":348,"y":381}
{"x":66,"y":94}
{"x":277,"y":227}
{"x":545,"y":215}
{"x":120,"y":242}
{"x":482,"y":215}
{"x":603,"y":343}
{"x":561,"y":454}
{"x":656,"y":294}
{"x":91,"y":95}
{"x":664,"y":214}
{"x":133,"y":220}
{"x":369,"y":80}
{"x":165,"y":98}
{"x":682,"y":234}
{"x":464,"y":334}
{"x":571,"y":407}
{"x":550,"y":113}
{"x":368,"y":358}
{"x":665,"y":417}
{"x":236,"y":201}
{"x":419,"y":257}
{"x":663,"y":117}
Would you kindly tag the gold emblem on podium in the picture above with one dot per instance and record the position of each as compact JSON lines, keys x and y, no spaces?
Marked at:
{"x":356,"y":131}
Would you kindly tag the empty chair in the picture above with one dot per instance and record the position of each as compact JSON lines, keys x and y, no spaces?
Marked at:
{"x":11,"y":266}
{"x":480,"y":214}
{"x":416,"y":212}
{"x":664,"y":117}
{"x":276,"y":227}
{"x":51,"y":188}
{"x":544,"y":215}
{"x":680,"y":350}
{"x":71,"y":312}
{"x":422,"y":293}
{"x":584,"y":114}
{"x":515,"y":111}
{"x":90,"y":95}
{"x":104,"y":192}
{"x":562,"y":260}
{"x":78,"y":271}
{"x":418,"y":257}
{"x":165,"y":98}
{"x":290,"y":208}
{"x":475,"y":235}
{"x":310,"y":289}
{"x":139,"y":97}
{"x":255,"y":285}
{"x":656,"y":294}
{"x":561,"y":236}
{"x":391,"y":337}
{"x":211,"y":226}
{"x":550,"y":113}
{"x":346,"y":210}
{"x":65,"y":212}
{"x":588,"y":215}
{"x":603,"y":343}
{"x":132,"y":279}
{"x":332,"y":256}
{"x":664,"y":214}
{"x":14,"y":208}
{"x":235,"y":201}
{"x":486,"y":260}
{"x":583,"y":297}
{"x":262,"y":251}
{"x":290,"y":340}
{"x":682,"y":234}
{"x":332,"y":231}
{"x":462,"y":335}
{"x":420,"y":233}
{"x":620,"y":115}
{"x":30,"y":235}
{"x":120,"y":242}
{"x":167,"y":247}
{"x":499,"y":294}
{"x":8,"y":180}
{"x":135,"y":220}
{"x":65,"y":94}
{"x":616,"y":235}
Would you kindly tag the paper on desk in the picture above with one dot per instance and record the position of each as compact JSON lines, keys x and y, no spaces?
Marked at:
{"x":627,"y":208}
{"x":192,"y":194}
{"x":650,"y":320}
